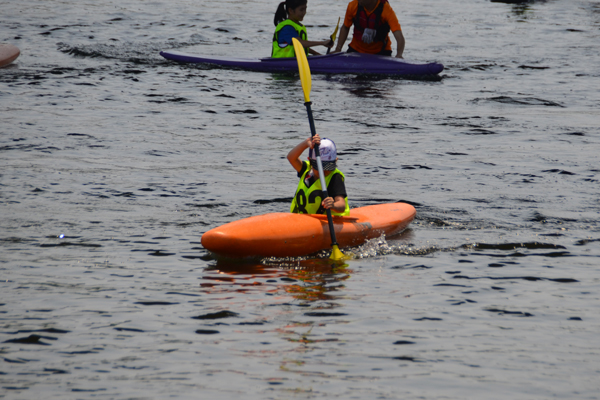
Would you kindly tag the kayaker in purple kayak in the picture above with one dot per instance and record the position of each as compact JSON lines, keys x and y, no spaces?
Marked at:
{"x":372,"y":21}
{"x":288,"y":24}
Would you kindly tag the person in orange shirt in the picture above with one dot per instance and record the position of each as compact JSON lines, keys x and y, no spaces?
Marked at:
{"x":372,"y":20}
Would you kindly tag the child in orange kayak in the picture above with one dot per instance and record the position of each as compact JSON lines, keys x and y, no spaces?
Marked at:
{"x":372,"y":20}
{"x":308,"y":193}
{"x":287,"y":21}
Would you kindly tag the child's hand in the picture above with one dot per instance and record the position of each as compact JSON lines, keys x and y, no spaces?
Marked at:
{"x":315,"y":141}
{"x":327,"y":203}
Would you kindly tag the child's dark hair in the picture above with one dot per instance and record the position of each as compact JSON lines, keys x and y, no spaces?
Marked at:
{"x":282,"y":10}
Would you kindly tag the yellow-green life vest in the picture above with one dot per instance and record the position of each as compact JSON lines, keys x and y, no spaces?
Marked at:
{"x":288,"y":50}
{"x":307,"y":200}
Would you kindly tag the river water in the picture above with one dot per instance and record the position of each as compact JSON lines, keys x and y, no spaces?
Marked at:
{"x":114,"y":162}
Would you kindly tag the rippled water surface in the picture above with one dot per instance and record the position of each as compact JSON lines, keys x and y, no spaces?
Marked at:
{"x":114,"y":162}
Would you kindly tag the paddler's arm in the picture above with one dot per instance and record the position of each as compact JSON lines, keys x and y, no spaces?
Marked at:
{"x":311,"y":43}
{"x":401,"y":43}
{"x":338,"y":205}
{"x":294,"y":154}
{"x":344,"y":30}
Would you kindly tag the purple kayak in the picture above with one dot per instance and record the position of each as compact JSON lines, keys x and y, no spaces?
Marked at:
{"x":337,"y":63}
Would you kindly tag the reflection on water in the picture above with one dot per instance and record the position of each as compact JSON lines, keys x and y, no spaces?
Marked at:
{"x":369,"y":92}
{"x":305,"y":280}
{"x":520,"y":8}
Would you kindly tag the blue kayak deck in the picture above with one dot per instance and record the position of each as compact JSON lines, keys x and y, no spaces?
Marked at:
{"x":337,"y":63}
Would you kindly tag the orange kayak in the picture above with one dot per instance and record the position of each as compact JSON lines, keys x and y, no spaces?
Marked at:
{"x":293,"y":235}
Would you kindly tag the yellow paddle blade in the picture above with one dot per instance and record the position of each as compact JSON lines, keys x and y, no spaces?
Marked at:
{"x":336,"y":30}
{"x":336,"y":253}
{"x":303,"y":68}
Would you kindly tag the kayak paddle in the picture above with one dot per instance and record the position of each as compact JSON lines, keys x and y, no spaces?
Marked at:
{"x":332,"y":37}
{"x":306,"y":81}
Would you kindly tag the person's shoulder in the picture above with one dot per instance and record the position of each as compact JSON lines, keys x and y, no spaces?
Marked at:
{"x":303,"y":168}
{"x":288,"y":22}
{"x":387,"y":8}
{"x":351,"y":11}
{"x":389,"y":15}
{"x":281,"y":24}
{"x":338,"y":176}
{"x":336,"y":186}
{"x":288,"y":28}
{"x":287,"y":33}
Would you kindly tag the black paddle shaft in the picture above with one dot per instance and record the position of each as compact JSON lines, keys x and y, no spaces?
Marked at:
{"x":313,"y":132}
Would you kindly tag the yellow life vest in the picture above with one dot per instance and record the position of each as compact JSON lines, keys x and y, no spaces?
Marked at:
{"x":307,"y":200}
{"x":287,"y":50}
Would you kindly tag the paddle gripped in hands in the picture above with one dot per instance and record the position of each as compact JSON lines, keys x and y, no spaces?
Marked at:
{"x":336,"y":204}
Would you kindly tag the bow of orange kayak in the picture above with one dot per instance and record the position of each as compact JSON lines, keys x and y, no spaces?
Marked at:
{"x":294,"y":235}
{"x":268,"y":235}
